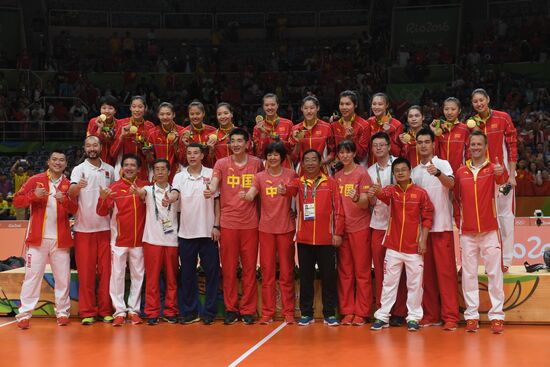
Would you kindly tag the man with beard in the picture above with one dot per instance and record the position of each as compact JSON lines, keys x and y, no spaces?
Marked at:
{"x":92,"y":234}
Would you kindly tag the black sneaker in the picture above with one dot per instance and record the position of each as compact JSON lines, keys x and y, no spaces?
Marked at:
{"x":207,"y":320}
{"x":397,"y":320}
{"x":249,"y":319}
{"x":153,"y":321}
{"x":170,"y":319}
{"x":231,"y":318}
{"x":189,"y":318}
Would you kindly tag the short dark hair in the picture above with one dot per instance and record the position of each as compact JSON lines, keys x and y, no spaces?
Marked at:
{"x":109,"y":101}
{"x":317,"y":154}
{"x":347,"y":145}
{"x":130,"y":156}
{"x":196,"y":145}
{"x":161,"y":160}
{"x":276,"y":147}
{"x":58,"y":151}
{"x":478,"y":133}
{"x":426,"y":131}
{"x":380,"y":135}
{"x":399,"y":161}
{"x":239,"y":131}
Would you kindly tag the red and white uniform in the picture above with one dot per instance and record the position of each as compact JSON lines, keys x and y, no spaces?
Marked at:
{"x":502,"y":144}
{"x":129,"y":145}
{"x":280,"y":129}
{"x":127,"y":224}
{"x":395,"y":129}
{"x":92,"y":239}
{"x":440,"y":300}
{"x":355,"y":258}
{"x":452,"y":145}
{"x":276,"y":232}
{"x":410,"y":210}
{"x":475,"y":191}
{"x":160,"y":252}
{"x":222,"y":149}
{"x":361,"y":135}
{"x":198,"y":136}
{"x":105,"y":137}
{"x":48,"y":238}
{"x":319,"y":137}
{"x":378,"y":225}
{"x":239,"y":232}
{"x":164,"y":148}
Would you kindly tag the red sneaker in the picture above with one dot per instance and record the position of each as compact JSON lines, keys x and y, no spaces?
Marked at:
{"x":497,"y":326}
{"x":428,"y":323}
{"x":135,"y":319}
{"x":505,"y":269}
{"x":472,"y":326}
{"x":358,"y":321}
{"x":450,"y":326}
{"x":24,"y":324}
{"x":347,"y":320}
{"x":62,"y":321}
{"x":118,"y":321}
{"x":289,"y":319}
{"x":266,"y":320}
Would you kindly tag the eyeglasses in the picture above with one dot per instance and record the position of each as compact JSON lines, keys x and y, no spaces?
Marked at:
{"x":376,"y":146}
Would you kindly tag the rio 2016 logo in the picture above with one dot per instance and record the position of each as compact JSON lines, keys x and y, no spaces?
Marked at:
{"x":533,"y":249}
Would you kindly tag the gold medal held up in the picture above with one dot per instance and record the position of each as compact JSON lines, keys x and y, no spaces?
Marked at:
{"x":102,"y":117}
{"x":171,"y":136}
{"x":212,"y":138}
{"x":259,"y":119}
{"x":407,"y":138}
{"x":471,"y":123}
{"x":133,"y":129}
{"x":438,"y":131}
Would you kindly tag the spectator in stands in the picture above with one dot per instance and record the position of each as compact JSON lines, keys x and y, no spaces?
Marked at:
{"x":20,"y":175}
{"x":4,"y":208}
{"x":5,"y":185}
{"x":78,"y":113}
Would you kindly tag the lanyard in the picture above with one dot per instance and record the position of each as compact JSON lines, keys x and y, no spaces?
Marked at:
{"x":378,"y":172}
{"x":155,"y":202}
{"x":315,"y":185}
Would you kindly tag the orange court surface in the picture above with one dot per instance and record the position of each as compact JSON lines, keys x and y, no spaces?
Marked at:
{"x":277,"y":344}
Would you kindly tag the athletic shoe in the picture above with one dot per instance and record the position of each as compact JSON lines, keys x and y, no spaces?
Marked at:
{"x":248,"y":319}
{"x":358,"y":321}
{"x":289,"y":319}
{"x":426,"y":323}
{"x":306,"y":320}
{"x":266,"y":320}
{"x":190,"y":318}
{"x":413,"y":325}
{"x":472,"y":326}
{"x":505,"y":269}
{"x":207,"y":320}
{"x":331,"y":321}
{"x":347,"y":320}
{"x":62,"y":321}
{"x":152,"y":321}
{"x":450,"y":326}
{"x":134,"y":318}
{"x":497,"y":326}
{"x":379,"y":325}
{"x":88,"y":321}
{"x":108,"y":319}
{"x":171,"y":319}
{"x":24,"y":324}
{"x":231,"y":318}
{"x":119,"y":321}
{"x":397,"y":320}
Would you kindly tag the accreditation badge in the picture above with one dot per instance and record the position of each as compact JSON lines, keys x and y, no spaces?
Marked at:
{"x":166,"y":225}
{"x":309,"y":211}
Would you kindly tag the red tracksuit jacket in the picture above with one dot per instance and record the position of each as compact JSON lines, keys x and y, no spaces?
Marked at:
{"x":329,"y":213}
{"x":319,"y":138}
{"x":106,"y":140}
{"x":452,"y":145}
{"x":25,"y":197}
{"x":130,"y":212}
{"x":281,"y":129}
{"x":501,"y":132}
{"x":361,"y":136}
{"x":409,"y":210}
{"x":163,"y":148}
{"x":198,"y":137}
{"x":476,"y":211}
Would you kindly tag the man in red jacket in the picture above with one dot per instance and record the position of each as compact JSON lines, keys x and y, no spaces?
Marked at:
{"x":127,"y":224}
{"x":477,"y":221}
{"x":411,"y":216}
{"x":48,"y":238}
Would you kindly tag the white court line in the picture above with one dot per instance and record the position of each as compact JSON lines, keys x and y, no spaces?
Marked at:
{"x":8,"y":323}
{"x":259,"y":344}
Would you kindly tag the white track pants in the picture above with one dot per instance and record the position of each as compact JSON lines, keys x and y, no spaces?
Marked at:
{"x":134,"y":257}
{"x":487,"y":245}
{"x":505,"y":215}
{"x":393,"y":265}
{"x":36,"y":260}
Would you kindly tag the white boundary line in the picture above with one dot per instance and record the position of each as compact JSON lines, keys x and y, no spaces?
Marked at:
{"x":259,"y":344}
{"x":8,"y":323}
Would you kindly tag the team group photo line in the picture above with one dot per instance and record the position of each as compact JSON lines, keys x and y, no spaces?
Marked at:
{"x":367,"y":206}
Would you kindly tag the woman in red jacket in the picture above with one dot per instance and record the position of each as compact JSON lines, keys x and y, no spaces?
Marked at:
{"x":104,"y":125}
{"x":382,"y":120}
{"x":407,"y":140}
{"x":198,"y":132}
{"x":224,"y":115}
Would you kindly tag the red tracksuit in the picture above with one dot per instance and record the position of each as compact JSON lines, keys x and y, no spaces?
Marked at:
{"x":280,"y":129}
{"x":452,"y":145}
{"x":222,"y":149}
{"x":501,"y":132}
{"x":320,"y":138}
{"x":163,"y":148}
{"x":396,"y":128}
{"x":129,"y":145}
{"x":355,"y":258}
{"x":409,"y":150}
{"x":361,"y":135}
{"x":198,"y":136}
{"x":106,"y":138}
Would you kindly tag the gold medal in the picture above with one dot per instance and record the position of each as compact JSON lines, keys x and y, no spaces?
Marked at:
{"x":406,"y":137}
{"x":133,"y":129}
{"x":171,"y":136}
{"x":102,"y":117}
{"x":259,"y":119}
{"x":471,"y":123}
{"x":438,"y":131}
{"x":212,"y":138}
{"x":300,"y":134}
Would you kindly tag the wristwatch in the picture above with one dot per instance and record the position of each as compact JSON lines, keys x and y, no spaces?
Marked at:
{"x":438,"y":173}
{"x":217,"y":227}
